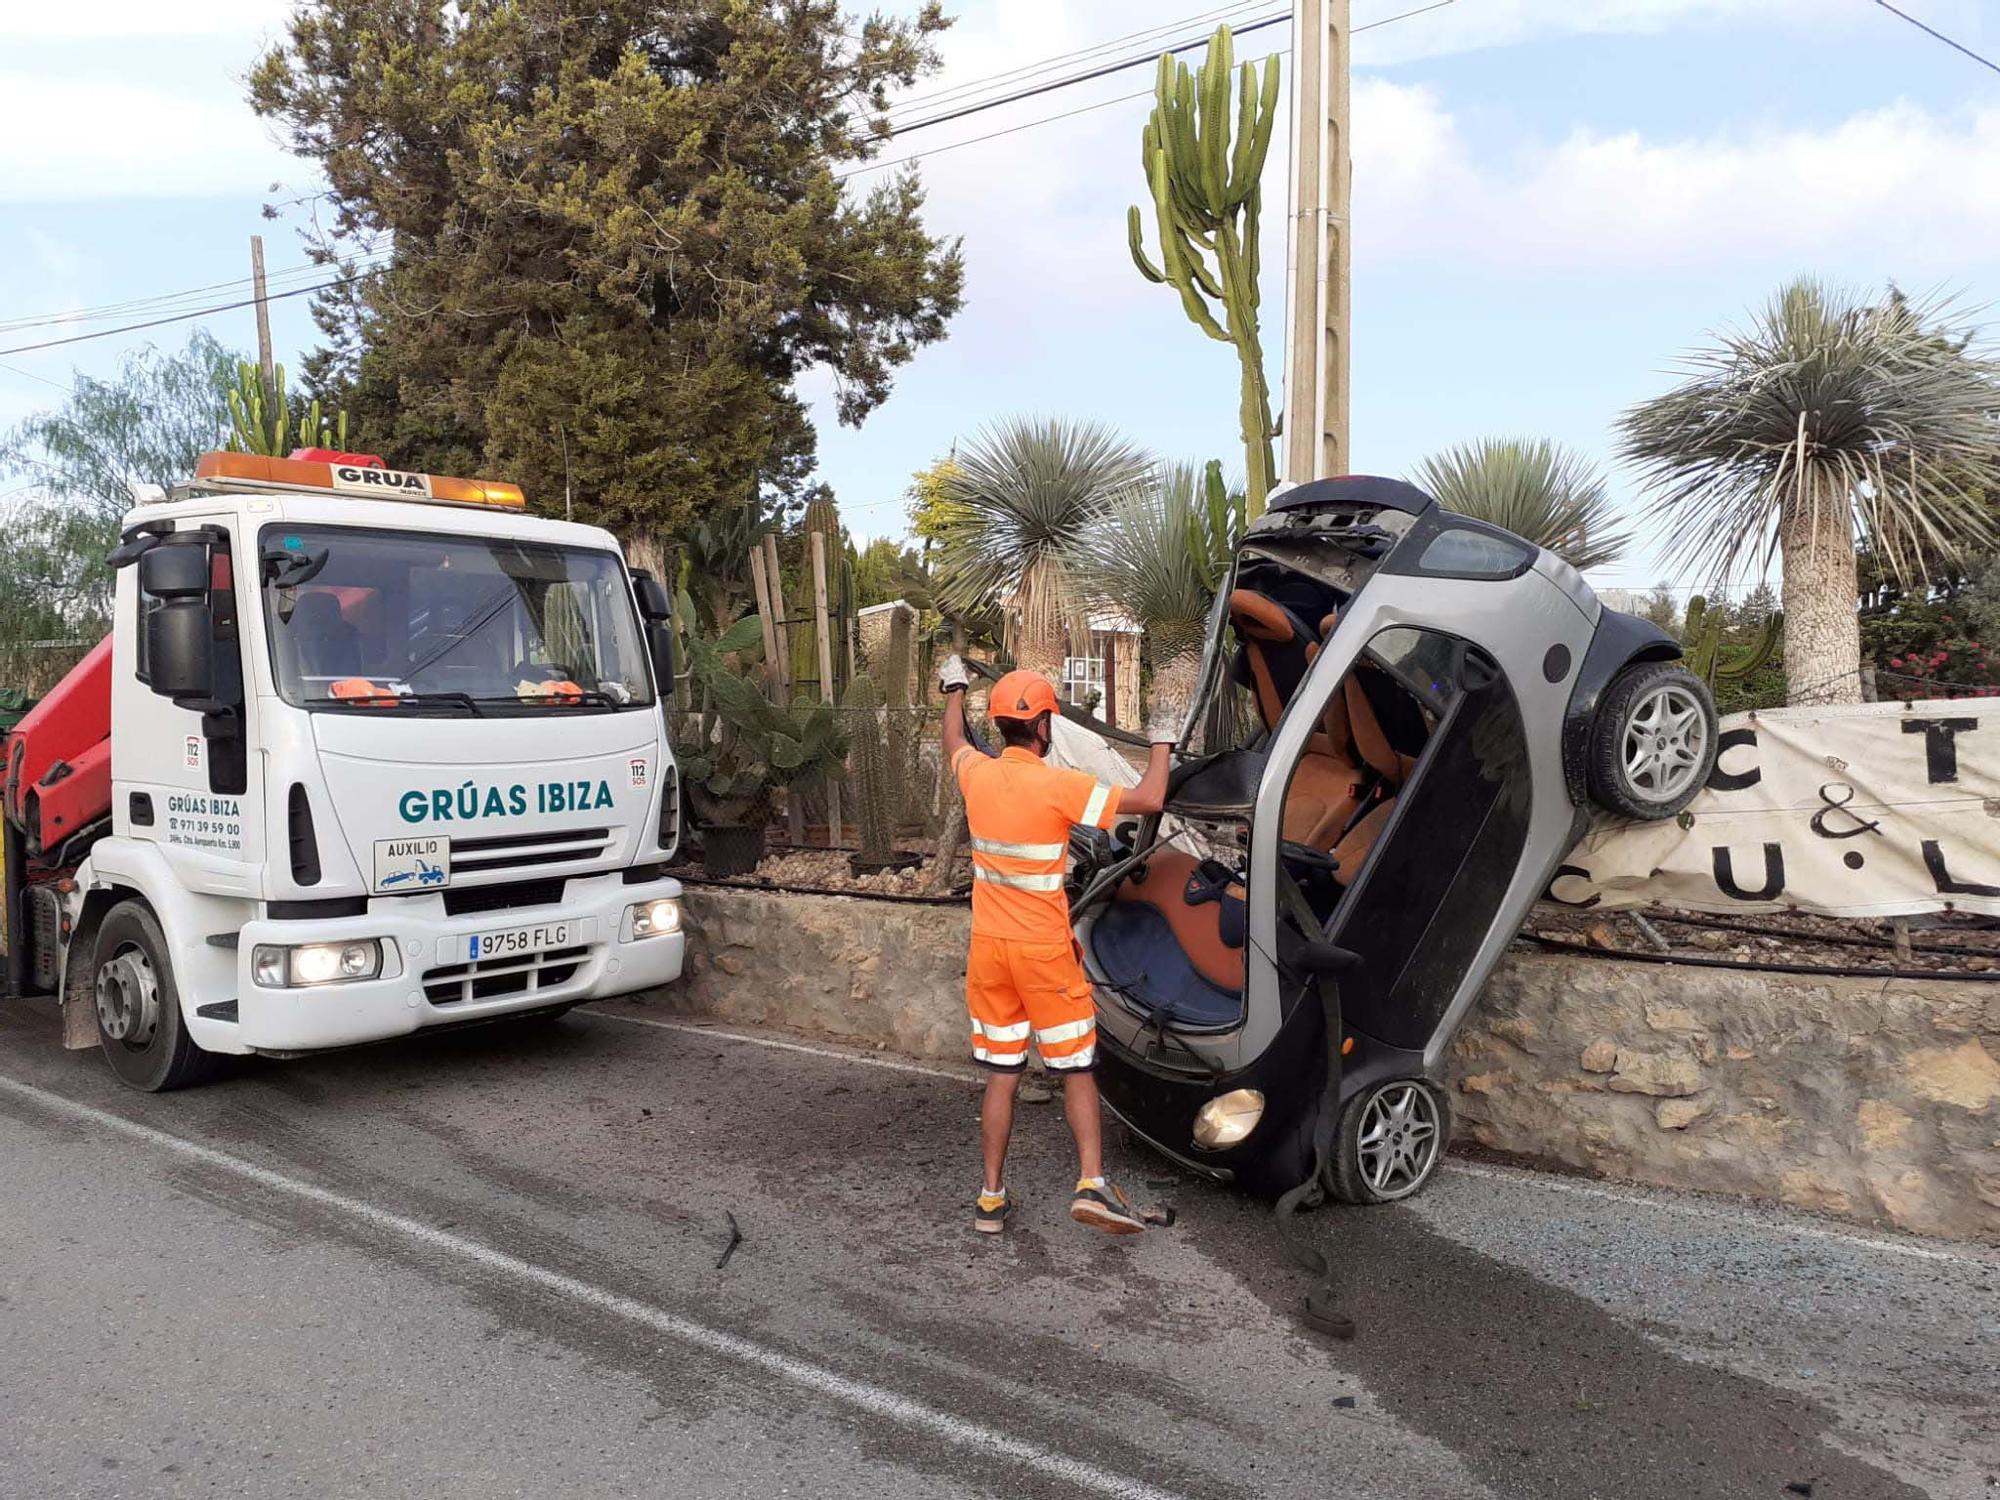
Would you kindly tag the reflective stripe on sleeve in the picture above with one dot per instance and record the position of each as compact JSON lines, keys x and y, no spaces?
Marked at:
{"x":1050,"y":882}
{"x":1094,"y":808}
{"x":1019,"y":851}
{"x":1067,"y":1032}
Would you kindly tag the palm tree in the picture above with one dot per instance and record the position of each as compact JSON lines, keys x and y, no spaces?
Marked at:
{"x":1827,"y":417}
{"x":1553,"y":497}
{"x":1020,"y":499}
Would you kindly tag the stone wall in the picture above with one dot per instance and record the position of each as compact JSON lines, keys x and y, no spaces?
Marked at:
{"x":1877,"y":1101}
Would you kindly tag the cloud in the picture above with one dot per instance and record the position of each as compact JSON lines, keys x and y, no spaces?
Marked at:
{"x":120,"y":19}
{"x":1903,"y":187}
{"x":76,"y":138}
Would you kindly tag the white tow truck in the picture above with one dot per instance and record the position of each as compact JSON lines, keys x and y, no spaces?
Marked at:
{"x":365,"y":752}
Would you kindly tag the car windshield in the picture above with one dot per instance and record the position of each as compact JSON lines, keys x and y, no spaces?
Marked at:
{"x":374,"y":620}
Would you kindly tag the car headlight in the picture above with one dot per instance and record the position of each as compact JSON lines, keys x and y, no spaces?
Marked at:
{"x":655,"y":918}
{"x":293,"y":966}
{"x":1228,"y":1118}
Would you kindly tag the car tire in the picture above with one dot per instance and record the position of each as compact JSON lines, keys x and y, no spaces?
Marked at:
{"x":138,"y":1005}
{"x":1653,"y":742}
{"x":1391,"y":1138}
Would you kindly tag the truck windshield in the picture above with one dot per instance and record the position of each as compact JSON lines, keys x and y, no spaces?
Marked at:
{"x":380,"y":620}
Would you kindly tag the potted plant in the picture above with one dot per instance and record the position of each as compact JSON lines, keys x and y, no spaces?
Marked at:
{"x":739,"y":746}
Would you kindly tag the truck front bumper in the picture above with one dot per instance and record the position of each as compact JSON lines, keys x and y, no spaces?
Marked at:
{"x":582,"y":949}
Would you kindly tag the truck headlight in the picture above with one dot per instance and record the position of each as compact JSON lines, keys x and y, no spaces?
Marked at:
{"x":1228,"y":1118}
{"x":655,"y":918}
{"x":292,"y":966}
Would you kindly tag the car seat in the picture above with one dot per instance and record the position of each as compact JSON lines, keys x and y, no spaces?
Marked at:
{"x":327,"y":645}
{"x":1278,"y":650}
{"x":1172,"y":940}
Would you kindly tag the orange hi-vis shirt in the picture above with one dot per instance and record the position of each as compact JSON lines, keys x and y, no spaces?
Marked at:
{"x":1020,"y":811}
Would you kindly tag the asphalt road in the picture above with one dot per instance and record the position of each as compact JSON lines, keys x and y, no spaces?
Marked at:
{"x":485,"y":1265}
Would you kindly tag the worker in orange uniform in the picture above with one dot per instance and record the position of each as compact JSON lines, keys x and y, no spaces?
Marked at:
{"x":1022,"y":976}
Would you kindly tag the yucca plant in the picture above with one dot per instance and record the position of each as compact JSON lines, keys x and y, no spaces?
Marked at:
{"x":1019,"y":499}
{"x":1827,"y":418}
{"x":1552,"y":497}
{"x":1158,"y":553}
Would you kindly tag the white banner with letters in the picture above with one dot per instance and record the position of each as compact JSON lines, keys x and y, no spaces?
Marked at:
{"x":1870,"y":810}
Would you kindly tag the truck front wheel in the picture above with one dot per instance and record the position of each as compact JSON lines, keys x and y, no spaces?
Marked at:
{"x":138,"y":1006}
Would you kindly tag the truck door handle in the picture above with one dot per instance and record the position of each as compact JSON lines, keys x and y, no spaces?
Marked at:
{"x":142,"y":809}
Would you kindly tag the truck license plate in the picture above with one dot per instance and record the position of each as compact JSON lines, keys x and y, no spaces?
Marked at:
{"x":508,"y":942}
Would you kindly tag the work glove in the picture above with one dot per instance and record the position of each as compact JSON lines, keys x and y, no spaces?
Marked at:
{"x":952,"y":675}
{"x":1166,"y":718}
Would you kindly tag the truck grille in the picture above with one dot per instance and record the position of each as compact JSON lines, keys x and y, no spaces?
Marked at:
{"x":522,"y":851}
{"x":496,"y":978}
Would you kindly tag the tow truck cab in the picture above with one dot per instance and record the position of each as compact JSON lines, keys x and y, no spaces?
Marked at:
{"x":365,"y":752}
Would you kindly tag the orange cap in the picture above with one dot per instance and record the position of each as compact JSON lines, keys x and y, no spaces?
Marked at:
{"x":1021,"y":695}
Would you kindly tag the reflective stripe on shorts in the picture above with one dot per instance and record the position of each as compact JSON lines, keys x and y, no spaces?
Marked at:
{"x":1002,"y":1059}
{"x":1082,"y":1058}
{"x":1015,"y":1033}
{"x":1068,"y":1032}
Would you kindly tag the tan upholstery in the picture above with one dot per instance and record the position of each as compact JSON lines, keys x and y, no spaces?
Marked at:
{"x":1198,"y":929}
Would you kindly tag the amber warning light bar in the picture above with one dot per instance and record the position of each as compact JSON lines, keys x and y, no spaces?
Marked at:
{"x":353,"y":474}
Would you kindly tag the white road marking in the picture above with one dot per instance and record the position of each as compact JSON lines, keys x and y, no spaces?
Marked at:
{"x":1541,"y":1182}
{"x":862,"y":1395}
{"x":778,"y":1044}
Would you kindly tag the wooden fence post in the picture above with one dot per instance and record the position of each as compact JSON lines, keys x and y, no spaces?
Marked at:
{"x":818,"y":541}
{"x":765,"y":615}
{"x":795,"y":813}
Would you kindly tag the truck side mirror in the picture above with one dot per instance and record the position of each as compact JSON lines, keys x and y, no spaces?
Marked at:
{"x":179,"y":648}
{"x":652,"y":596}
{"x":174,"y":569}
{"x":180,"y":631}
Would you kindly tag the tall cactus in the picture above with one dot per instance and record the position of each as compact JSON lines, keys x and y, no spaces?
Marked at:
{"x":871,"y":781}
{"x":261,"y":422}
{"x":823,"y":516}
{"x":1208,"y":203}
{"x":1705,"y":648}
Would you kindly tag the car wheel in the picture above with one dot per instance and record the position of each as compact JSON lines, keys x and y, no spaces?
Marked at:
{"x":1391,"y":1138}
{"x":139,"y":1022}
{"x":1653,"y":743}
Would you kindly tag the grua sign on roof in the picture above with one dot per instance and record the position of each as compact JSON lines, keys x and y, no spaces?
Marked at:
{"x":1874,"y":810}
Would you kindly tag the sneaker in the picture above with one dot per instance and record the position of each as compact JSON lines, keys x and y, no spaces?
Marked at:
{"x":1100,"y":1204}
{"x":993,"y":1212}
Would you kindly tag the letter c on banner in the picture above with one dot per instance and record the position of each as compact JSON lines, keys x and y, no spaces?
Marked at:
{"x":1720,"y":780}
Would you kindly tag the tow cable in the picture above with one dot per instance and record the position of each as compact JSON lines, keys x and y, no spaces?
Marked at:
{"x":1319,"y":962}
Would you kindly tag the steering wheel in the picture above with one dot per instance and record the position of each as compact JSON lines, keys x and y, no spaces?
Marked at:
{"x":1305,"y":854}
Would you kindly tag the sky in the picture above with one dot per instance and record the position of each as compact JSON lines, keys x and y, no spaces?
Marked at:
{"x":1553,"y":200}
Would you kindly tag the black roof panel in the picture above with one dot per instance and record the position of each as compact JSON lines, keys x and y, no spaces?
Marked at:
{"x":1355,"y":489}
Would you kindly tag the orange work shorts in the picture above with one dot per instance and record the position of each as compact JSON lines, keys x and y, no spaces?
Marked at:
{"x":1018,"y":991}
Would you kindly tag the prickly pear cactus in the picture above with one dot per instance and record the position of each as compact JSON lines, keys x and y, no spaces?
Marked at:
{"x":1203,"y":151}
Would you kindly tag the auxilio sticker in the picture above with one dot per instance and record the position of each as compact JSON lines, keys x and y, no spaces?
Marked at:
{"x":421,"y":864}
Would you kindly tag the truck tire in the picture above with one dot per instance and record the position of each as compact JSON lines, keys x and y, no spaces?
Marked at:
{"x":1391,"y":1138}
{"x":138,"y":1005}
{"x":1653,"y":742}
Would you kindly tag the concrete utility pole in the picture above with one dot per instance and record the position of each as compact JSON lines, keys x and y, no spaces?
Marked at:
{"x":1317,"y":320}
{"x":265,"y":364}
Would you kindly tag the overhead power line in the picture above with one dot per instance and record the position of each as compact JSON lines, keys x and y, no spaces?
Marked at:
{"x":1218,"y":16}
{"x":200,"y":312}
{"x":1956,"y":46}
{"x":1146,"y":60}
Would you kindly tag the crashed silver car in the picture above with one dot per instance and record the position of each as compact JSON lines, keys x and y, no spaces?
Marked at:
{"x":1405,"y":718}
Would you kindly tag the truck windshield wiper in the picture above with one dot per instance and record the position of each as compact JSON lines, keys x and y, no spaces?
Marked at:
{"x":389,"y":702}
{"x":564,"y":699}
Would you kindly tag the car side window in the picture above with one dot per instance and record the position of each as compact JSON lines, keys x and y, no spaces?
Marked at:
{"x":1464,"y":553}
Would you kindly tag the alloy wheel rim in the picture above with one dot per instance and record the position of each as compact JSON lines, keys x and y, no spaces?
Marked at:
{"x":1399,"y":1139}
{"x":1666,"y":740}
